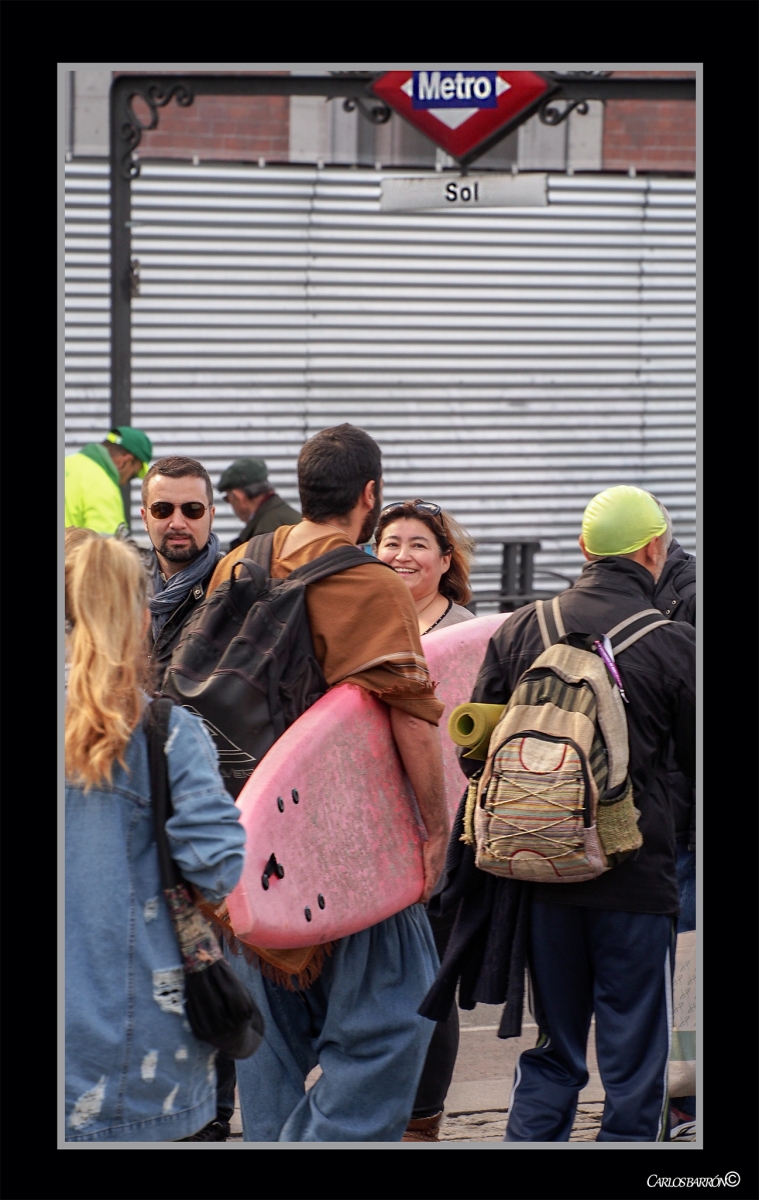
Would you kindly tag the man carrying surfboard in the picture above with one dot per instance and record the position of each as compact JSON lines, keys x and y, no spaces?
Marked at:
{"x":350,"y":1007}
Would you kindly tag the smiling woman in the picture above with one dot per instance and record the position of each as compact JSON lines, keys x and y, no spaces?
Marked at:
{"x":432,"y":554}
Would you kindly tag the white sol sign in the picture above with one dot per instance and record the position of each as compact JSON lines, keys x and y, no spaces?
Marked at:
{"x":469,"y":191}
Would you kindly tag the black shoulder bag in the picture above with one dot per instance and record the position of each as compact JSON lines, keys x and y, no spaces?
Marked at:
{"x":218,"y":1006}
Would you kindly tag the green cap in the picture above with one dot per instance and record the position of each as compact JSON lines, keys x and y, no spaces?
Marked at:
{"x":243,"y":472}
{"x":621,"y":520}
{"x":135,"y":442}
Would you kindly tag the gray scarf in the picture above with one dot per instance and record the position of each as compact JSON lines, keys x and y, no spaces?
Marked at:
{"x":170,"y":593}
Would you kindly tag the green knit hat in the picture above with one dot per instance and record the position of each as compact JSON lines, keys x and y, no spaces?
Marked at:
{"x":620,"y":521}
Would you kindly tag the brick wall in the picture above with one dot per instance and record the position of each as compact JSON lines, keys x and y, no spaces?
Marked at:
{"x":650,"y":135}
{"x":241,"y":128}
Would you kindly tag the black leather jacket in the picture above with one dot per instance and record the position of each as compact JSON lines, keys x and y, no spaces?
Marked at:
{"x":161,"y":650}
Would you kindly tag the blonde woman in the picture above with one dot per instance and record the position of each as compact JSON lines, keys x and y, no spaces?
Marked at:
{"x":134,"y":1070}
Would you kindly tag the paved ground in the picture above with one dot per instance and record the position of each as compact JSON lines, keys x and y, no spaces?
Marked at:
{"x":478,"y":1098}
{"x":489,"y":1126}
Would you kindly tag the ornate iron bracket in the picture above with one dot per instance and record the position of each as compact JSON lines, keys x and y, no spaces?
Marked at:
{"x":375,"y":110}
{"x":550,"y":115}
{"x":155,"y":96}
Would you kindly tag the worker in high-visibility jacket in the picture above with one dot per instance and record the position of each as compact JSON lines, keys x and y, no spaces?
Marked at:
{"x":94,"y":478}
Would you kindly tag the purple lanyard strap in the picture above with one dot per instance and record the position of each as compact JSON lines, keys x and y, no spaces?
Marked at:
{"x":607,"y":654}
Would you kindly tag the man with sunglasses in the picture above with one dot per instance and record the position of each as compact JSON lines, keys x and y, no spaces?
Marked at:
{"x":177,"y":511}
{"x":95,"y":476}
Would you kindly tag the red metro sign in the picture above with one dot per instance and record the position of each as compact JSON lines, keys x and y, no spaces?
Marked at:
{"x":463,"y":111}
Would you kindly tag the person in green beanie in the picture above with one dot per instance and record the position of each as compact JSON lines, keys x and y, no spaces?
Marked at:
{"x":246,"y":487}
{"x":604,"y":946}
{"x":624,"y":521}
{"x":94,"y":478}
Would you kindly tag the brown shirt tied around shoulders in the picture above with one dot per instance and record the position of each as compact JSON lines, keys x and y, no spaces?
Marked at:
{"x":363,"y":625}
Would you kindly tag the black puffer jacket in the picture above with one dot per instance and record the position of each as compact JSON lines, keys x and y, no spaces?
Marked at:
{"x":675,"y":592}
{"x":675,"y":595}
{"x":659,"y":674}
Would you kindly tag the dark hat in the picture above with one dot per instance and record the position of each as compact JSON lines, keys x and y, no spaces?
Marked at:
{"x":242,"y":472}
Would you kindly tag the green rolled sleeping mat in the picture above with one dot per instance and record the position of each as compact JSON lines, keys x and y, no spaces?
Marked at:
{"x":471,"y":725}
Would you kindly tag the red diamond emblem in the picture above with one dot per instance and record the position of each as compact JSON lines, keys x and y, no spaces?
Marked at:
{"x":462,"y":111}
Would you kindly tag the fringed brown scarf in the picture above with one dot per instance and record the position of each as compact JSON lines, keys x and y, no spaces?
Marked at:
{"x":290,"y":969}
{"x":363,"y":622}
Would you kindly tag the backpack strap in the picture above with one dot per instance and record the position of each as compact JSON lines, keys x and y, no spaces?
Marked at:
{"x":540,"y":610}
{"x":259,"y":550}
{"x":627,"y":632}
{"x":342,"y":558}
{"x":550,"y":622}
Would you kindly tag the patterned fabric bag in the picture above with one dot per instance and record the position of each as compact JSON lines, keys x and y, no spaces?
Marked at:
{"x":218,"y":1006}
{"x":555,"y":803}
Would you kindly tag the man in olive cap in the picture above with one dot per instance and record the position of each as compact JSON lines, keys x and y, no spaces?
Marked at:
{"x":247,"y":489}
{"x":94,"y":478}
{"x":604,"y":946}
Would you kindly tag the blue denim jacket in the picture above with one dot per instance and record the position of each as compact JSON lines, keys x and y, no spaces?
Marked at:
{"x":134,"y":1070}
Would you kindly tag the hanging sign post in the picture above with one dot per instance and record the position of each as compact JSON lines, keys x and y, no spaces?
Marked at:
{"x":464,"y":112}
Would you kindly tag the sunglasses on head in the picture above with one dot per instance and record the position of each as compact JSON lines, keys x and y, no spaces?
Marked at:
{"x":424,"y":506}
{"x":192,"y":509}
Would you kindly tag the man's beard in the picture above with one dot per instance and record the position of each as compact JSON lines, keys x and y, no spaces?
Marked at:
{"x":370,"y":523}
{"x":179,"y":554}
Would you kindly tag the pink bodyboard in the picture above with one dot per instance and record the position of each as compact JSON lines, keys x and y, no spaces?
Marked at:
{"x":333,"y":806}
{"x":454,"y":656}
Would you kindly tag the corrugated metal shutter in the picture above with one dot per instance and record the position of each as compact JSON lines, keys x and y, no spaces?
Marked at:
{"x":87,"y":289}
{"x":510,"y":362}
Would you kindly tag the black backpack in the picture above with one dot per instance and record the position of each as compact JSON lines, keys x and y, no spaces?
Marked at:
{"x":245,"y":662}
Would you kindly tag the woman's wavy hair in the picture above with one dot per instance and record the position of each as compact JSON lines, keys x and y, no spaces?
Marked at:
{"x":106,"y":597}
{"x":451,"y":539}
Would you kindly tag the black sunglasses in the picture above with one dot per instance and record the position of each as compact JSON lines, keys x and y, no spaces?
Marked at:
{"x":192,"y":509}
{"x":434,"y":510}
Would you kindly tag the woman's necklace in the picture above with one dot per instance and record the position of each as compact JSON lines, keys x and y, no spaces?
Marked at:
{"x":443,"y":614}
{"x":421,"y":611}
